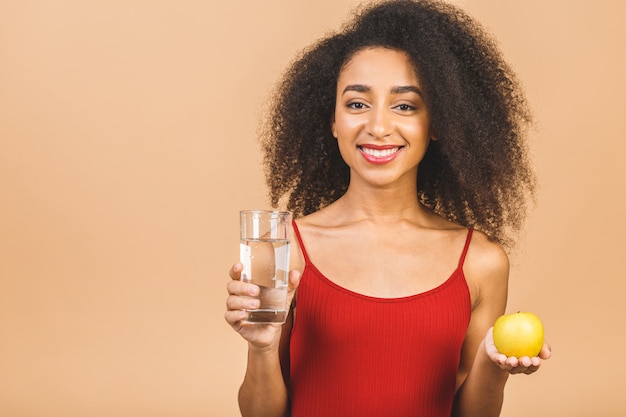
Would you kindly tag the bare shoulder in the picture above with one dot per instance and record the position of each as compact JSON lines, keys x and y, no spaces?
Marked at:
{"x":307,"y":226}
{"x":324,"y":218}
{"x":486,"y":267}
{"x":485,"y":255}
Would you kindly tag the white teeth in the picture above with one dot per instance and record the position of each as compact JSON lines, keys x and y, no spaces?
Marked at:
{"x":379,"y":153}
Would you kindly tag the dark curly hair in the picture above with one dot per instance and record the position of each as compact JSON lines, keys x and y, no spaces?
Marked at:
{"x":477,"y":173}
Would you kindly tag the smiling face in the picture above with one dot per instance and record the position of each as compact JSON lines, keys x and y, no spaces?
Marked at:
{"x":381,"y":121}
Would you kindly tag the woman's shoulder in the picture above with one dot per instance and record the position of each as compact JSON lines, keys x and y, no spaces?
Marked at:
{"x":306,"y":231}
{"x":310,"y":220}
{"x":486,"y":266}
{"x":326,"y":219}
{"x":484,"y":253}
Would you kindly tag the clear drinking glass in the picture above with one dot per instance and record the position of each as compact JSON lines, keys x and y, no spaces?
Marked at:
{"x":264,"y":253}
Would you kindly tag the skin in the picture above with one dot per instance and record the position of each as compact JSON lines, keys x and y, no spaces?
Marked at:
{"x":383,"y":130}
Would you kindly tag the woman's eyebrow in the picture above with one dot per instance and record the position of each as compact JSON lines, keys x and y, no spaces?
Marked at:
{"x":359,"y":88}
{"x":401,"y":89}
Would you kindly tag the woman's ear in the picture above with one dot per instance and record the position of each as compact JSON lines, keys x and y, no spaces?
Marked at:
{"x":333,"y":129}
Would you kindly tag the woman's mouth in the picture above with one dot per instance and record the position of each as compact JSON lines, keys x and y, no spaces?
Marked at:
{"x":379,"y":154}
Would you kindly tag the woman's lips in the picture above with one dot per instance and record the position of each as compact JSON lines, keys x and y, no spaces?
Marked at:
{"x":377,"y":154}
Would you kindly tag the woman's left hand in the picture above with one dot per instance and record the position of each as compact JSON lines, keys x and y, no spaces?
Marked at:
{"x":511,"y":364}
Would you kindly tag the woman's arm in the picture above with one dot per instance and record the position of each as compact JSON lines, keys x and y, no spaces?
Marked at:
{"x":480,"y":382}
{"x":483,"y":371}
{"x":263,"y":392}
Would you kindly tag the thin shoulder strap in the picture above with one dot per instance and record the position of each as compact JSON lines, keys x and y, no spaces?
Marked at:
{"x":467,"y":243}
{"x":299,"y":237}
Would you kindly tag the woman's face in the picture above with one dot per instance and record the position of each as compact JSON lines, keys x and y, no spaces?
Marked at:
{"x":381,"y":122}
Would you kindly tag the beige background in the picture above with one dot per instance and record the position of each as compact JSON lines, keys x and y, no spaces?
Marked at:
{"x":127,"y":146}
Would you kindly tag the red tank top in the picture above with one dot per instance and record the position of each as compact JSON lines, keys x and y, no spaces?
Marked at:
{"x":356,"y":355}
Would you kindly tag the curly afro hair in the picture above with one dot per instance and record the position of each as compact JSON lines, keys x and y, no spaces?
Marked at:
{"x":477,"y":174}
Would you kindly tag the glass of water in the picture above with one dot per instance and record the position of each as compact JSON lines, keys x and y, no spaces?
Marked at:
{"x":264,"y":253}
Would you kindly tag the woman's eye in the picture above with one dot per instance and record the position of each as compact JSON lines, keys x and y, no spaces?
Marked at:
{"x":405,"y":107}
{"x":356,"y":105}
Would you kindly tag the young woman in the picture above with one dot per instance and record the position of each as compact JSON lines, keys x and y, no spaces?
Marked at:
{"x":398,"y":143}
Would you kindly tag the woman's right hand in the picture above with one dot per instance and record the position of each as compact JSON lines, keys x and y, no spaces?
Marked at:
{"x":242,"y":296}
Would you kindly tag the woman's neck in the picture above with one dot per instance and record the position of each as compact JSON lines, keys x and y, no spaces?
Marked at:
{"x":381,"y":203}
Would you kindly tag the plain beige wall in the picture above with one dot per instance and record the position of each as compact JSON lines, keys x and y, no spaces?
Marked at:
{"x":127,"y":146}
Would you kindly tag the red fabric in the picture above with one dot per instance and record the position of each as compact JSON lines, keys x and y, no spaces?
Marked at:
{"x":355,"y":355}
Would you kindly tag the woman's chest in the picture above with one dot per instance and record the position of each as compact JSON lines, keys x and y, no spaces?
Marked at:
{"x":387,"y":270}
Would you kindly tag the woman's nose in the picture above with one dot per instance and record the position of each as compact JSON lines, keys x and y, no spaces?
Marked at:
{"x":379,"y":123}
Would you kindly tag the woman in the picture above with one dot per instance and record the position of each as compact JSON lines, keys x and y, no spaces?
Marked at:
{"x":398,"y":143}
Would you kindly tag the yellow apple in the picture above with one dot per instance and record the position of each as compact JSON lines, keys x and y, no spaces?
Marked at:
{"x":518,"y":334}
